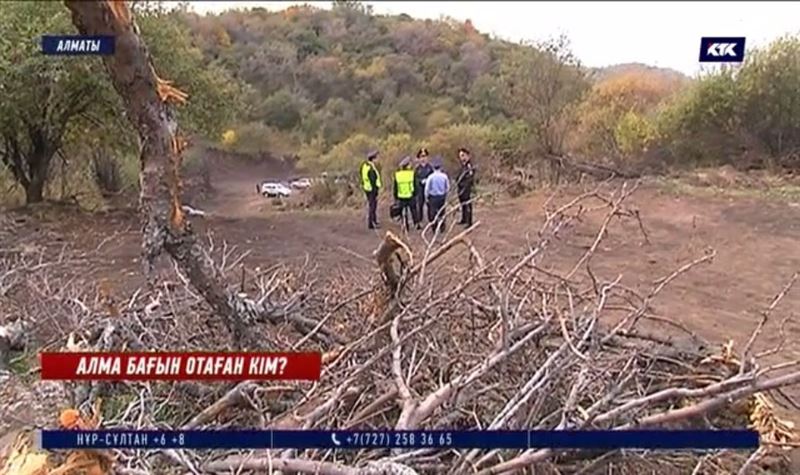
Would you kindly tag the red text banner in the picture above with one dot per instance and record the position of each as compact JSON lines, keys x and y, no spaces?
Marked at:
{"x":180,"y":366}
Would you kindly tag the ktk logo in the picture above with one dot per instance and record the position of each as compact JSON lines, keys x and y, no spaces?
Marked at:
{"x":722,"y":50}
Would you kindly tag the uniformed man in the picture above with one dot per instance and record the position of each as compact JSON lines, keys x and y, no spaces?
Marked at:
{"x":421,"y":173}
{"x":436,"y":188}
{"x":371,"y":184}
{"x":464,"y":184}
{"x":404,"y":192}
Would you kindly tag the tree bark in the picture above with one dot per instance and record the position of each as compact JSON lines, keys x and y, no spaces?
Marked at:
{"x":34,"y":192}
{"x":30,"y":168}
{"x":39,"y":166}
{"x":145,"y":98}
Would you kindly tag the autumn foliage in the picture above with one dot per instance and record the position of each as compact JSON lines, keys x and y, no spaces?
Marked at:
{"x":25,"y":459}
{"x":310,"y":82}
{"x":331,"y":79}
{"x":615,"y":118}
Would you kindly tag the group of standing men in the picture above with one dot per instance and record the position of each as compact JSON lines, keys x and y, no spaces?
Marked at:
{"x":418,"y":185}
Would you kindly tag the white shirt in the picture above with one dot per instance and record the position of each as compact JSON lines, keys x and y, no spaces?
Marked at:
{"x":437,"y":184}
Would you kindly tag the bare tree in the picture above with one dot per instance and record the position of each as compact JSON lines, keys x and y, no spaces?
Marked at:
{"x":543,"y":84}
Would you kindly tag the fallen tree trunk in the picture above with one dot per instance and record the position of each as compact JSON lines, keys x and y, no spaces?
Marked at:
{"x":600,"y":172}
{"x":147,"y":101}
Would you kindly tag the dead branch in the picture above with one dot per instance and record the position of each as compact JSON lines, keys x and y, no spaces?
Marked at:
{"x":717,"y":401}
{"x":236,"y":464}
{"x":232,"y":398}
{"x":764,"y":317}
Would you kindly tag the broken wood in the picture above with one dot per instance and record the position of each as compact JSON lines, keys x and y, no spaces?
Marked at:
{"x":383,"y":255}
{"x":600,"y":172}
{"x":11,"y":339}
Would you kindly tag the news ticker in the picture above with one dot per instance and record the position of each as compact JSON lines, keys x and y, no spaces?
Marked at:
{"x":433,"y":439}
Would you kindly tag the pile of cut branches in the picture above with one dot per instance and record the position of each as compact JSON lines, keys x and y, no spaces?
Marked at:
{"x":453,"y":340}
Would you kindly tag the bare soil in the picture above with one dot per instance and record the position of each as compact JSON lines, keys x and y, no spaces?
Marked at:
{"x":756,"y":241}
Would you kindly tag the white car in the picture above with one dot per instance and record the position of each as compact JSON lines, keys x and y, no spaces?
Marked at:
{"x":300,"y":183}
{"x":273,"y":190}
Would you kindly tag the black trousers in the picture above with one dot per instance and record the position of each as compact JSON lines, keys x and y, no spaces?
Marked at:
{"x":466,"y":208}
{"x":419,"y":207}
{"x":372,"y":208}
{"x":406,"y":209}
{"x":436,"y":210}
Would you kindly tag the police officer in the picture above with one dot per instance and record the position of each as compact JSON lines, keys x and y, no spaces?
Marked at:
{"x":404,"y":191}
{"x":421,"y":173}
{"x":371,"y":184}
{"x":466,"y":179}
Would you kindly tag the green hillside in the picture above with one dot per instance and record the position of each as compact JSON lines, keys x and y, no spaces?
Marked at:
{"x":325,"y":85}
{"x":322,"y":77}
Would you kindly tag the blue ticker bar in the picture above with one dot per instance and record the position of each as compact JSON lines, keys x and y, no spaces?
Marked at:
{"x":434,"y":439}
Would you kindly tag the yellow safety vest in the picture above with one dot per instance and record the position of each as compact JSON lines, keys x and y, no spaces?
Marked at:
{"x":405,"y":183}
{"x":366,"y":185}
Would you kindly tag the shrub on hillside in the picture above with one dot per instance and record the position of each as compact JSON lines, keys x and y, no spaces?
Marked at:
{"x":477,"y":138}
{"x":512,"y":144}
{"x":346,"y":156}
{"x":395,"y":123}
{"x":438,"y":119}
{"x":256,"y":139}
{"x":340,"y":192}
{"x":395,"y":147}
{"x":284,"y":110}
{"x":769,"y":96}
{"x":700,"y":127}
{"x":633,"y":134}
{"x":322,"y":193}
{"x":731,"y":115}
{"x":616,"y":116}
{"x":311,"y":154}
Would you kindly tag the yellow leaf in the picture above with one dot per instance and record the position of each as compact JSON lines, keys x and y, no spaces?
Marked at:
{"x":229,"y":137}
{"x":25,"y":461}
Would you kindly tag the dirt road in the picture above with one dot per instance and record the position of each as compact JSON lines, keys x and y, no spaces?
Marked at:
{"x":755,"y":241}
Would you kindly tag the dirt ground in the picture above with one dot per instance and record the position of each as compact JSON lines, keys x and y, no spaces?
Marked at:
{"x":756,"y":241}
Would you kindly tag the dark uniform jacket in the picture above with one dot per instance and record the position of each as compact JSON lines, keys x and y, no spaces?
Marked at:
{"x":466,"y":179}
{"x":421,"y":173}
